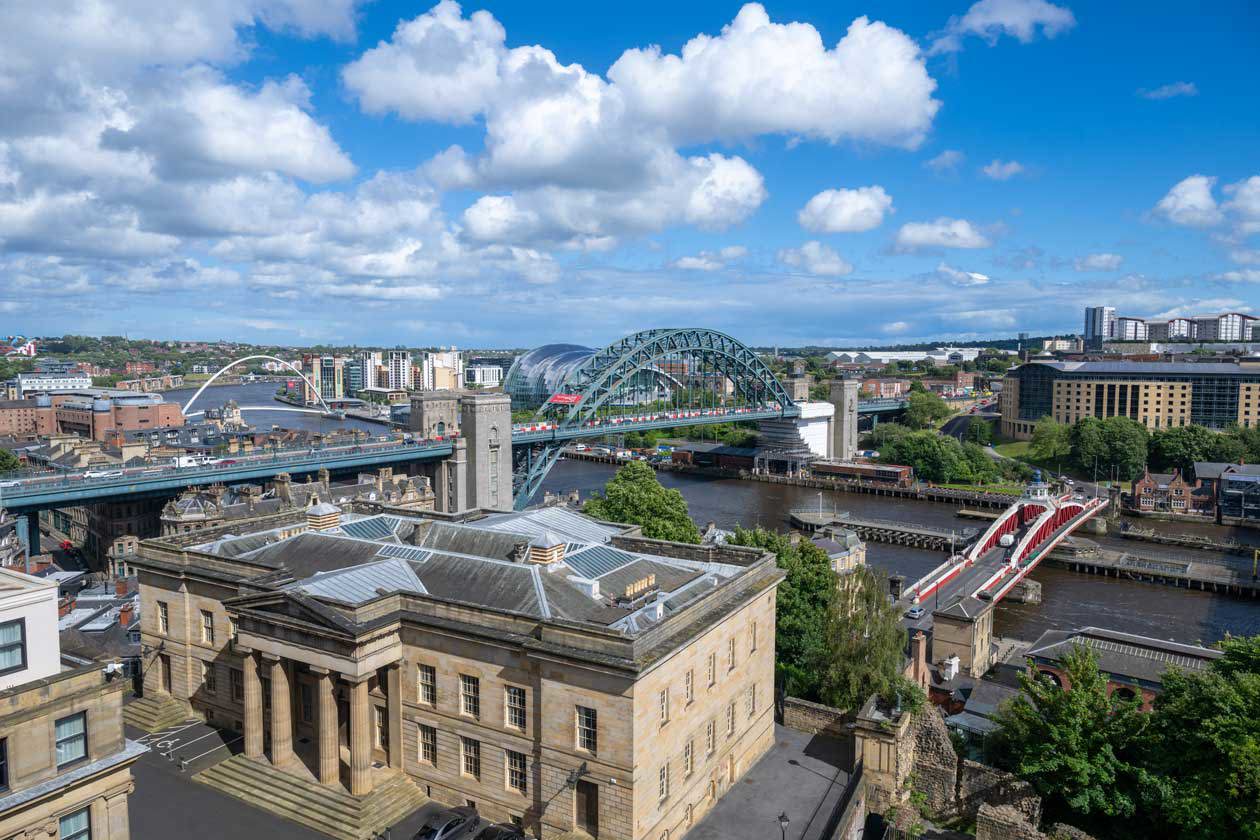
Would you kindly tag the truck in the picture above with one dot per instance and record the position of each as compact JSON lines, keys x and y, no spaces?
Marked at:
{"x":1006,"y":540}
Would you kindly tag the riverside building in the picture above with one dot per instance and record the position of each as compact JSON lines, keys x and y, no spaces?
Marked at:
{"x":1159,"y":395}
{"x":556,"y":671}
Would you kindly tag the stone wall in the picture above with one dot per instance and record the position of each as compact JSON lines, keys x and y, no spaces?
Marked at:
{"x":935,"y":762}
{"x":980,"y":784}
{"x":1002,"y":822}
{"x":816,"y":719}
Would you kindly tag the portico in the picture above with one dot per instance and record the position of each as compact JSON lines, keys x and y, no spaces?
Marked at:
{"x":331,"y":713}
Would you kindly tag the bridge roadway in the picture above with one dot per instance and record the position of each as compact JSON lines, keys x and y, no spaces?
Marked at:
{"x":884,"y":530}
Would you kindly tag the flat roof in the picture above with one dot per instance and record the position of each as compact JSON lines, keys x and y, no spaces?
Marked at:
{"x":1203,"y":368}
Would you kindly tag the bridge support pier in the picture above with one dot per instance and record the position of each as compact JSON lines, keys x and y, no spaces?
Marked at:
{"x":31,"y":528}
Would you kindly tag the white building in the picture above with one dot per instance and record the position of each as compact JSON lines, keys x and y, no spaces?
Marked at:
{"x":398,"y":364}
{"x":442,"y":370}
{"x":1130,"y":329}
{"x":1100,"y":323}
{"x":484,"y":376}
{"x":41,"y":383}
{"x":29,"y":648}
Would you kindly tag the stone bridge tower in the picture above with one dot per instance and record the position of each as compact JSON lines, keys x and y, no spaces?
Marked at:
{"x":485,"y":422}
{"x":844,"y":429}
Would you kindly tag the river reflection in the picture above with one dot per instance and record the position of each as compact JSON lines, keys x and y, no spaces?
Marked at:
{"x":1070,"y":600}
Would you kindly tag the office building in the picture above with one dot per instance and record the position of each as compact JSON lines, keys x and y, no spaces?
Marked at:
{"x":30,"y":384}
{"x":483,"y":376}
{"x":65,"y":766}
{"x":1160,"y":395}
{"x":1100,"y":324}
{"x":559,"y":672}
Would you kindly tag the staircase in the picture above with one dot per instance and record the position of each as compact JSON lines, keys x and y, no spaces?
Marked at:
{"x":155,"y":712}
{"x":329,"y":810}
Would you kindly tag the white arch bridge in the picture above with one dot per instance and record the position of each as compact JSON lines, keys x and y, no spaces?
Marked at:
{"x":236,"y":362}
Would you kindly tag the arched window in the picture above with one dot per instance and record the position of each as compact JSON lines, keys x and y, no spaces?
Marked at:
{"x":1052,"y":676}
{"x":1123,"y":692}
{"x":441,"y":428}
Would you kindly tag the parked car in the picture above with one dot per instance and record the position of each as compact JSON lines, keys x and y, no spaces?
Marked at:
{"x":450,"y":824}
{"x":915,"y":613}
{"x":502,"y":831}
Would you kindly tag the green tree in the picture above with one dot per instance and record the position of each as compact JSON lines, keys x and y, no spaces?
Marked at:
{"x":1180,"y":447}
{"x":924,"y":409}
{"x":802,"y":603}
{"x":1203,"y":748}
{"x":8,"y":461}
{"x":1051,"y":440}
{"x":1127,"y":442}
{"x":865,"y":642}
{"x":634,"y":496}
{"x":1072,"y":745}
{"x":934,"y":458}
{"x":979,"y":431}
{"x":1089,"y":447}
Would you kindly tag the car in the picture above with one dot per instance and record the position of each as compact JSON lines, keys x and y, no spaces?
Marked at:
{"x":501,"y":831}
{"x":450,"y":824}
{"x":915,"y":613}
{"x":1069,"y":482}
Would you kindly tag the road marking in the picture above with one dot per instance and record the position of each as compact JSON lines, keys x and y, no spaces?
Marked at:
{"x":184,"y":762}
{"x":165,"y":733}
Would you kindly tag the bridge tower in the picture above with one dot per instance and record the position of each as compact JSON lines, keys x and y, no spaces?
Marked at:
{"x":844,"y":428}
{"x":486,"y":426}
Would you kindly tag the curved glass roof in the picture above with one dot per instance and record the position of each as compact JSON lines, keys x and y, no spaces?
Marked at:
{"x":536,"y":375}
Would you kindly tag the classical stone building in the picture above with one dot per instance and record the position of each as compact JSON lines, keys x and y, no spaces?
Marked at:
{"x":65,"y":767}
{"x":249,"y":506}
{"x":559,"y":672}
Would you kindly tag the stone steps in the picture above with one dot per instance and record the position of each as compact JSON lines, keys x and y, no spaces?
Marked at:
{"x":153,"y":713}
{"x":325,"y":809}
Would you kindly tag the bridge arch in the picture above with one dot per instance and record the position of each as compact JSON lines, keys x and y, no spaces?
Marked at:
{"x":600,"y":377}
{"x":236,"y":362}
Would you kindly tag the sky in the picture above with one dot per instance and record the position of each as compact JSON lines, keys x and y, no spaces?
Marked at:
{"x":514,"y":174}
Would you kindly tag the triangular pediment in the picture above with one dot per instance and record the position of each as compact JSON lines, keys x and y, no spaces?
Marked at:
{"x":293,"y":605}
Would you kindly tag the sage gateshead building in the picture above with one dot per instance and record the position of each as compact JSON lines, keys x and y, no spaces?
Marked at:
{"x":537,"y":375}
{"x":1159,"y":395}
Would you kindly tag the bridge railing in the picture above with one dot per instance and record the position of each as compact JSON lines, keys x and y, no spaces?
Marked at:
{"x":31,"y":483}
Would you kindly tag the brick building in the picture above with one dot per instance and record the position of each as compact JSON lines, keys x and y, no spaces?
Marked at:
{"x":1171,"y":493}
{"x":91,"y":415}
{"x":559,"y":672}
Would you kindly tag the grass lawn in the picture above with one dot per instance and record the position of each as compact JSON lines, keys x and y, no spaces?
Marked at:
{"x":1017,"y":449}
{"x":1013,"y":489}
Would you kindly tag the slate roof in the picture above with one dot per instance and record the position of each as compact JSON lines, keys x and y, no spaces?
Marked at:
{"x":1213,"y":469}
{"x":569,"y":524}
{"x":360,"y":584}
{"x":1125,"y":654}
{"x":987,"y":696}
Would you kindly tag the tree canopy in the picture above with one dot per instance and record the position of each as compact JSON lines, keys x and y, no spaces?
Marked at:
{"x":924,"y":409}
{"x":940,"y":459}
{"x":1051,"y":440}
{"x":8,"y":461}
{"x":634,"y":496}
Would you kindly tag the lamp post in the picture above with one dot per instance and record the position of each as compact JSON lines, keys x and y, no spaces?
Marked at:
{"x":783,"y":824}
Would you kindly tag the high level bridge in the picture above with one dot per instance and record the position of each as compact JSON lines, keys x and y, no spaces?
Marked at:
{"x":963,"y":591}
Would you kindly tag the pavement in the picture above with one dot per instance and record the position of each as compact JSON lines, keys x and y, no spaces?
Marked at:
{"x":167,"y":803}
{"x":802,"y":776}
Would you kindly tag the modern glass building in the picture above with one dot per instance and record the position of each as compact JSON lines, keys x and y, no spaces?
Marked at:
{"x":538,"y":374}
{"x":1159,"y":395}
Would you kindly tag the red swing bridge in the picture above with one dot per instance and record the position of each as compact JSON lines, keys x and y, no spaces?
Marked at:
{"x":962,"y":592}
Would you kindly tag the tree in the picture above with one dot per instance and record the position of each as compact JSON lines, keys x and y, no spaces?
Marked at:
{"x":634,"y":496}
{"x":865,"y":642}
{"x":979,"y":431}
{"x":1180,"y":447}
{"x":1088,"y":446}
{"x":8,"y":461}
{"x":1127,"y":442}
{"x":923,"y":409}
{"x":1203,"y":747}
{"x":803,"y":600}
{"x":1051,"y":440}
{"x":934,"y":458}
{"x":1072,"y":745}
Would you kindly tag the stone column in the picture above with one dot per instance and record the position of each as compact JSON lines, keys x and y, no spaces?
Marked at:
{"x":281,"y":711}
{"x":360,"y":738}
{"x":394,"y":715}
{"x":253,"y":707}
{"x":326,"y":709}
{"x":116,"y":813}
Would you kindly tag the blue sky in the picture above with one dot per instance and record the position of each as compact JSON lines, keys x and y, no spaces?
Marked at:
{"x":302,"y":171}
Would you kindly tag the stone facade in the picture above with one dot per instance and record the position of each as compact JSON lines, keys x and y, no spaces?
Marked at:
{"x":969,"y":637}
{"x":41,"y":792}
{"x":388,"y":683}
{"x":844,"y":396}
{"x":486,"y":425}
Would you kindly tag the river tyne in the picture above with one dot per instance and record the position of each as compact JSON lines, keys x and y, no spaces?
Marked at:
{"x":1069,"y":599}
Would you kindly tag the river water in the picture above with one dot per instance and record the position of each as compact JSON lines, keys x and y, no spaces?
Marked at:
{"x":1069,"y":599}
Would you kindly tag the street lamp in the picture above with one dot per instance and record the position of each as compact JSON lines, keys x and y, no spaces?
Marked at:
{"x":783,"y":824}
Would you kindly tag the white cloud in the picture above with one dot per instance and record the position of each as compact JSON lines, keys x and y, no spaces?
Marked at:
{"x":1002,"y":170}
{"x":947,"y":161}
{"x":1191,"y":203}
{"x":940,"y":233}
{"x":846,"y":211}
{"x":1244,"y":205}
{"x":896,"y":327}
{"x":1245,"y":256}
{"x":711,"y":260}
{"x":1201,"y":306}
{"x":813,"y":257}
{"x":1098,"y":262}
{"x":960,"y":277}
{"x":760,"y":77}
{"x":1245,"y":275}
{"x":991,"y":19}
{"x":1169,"y":91}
